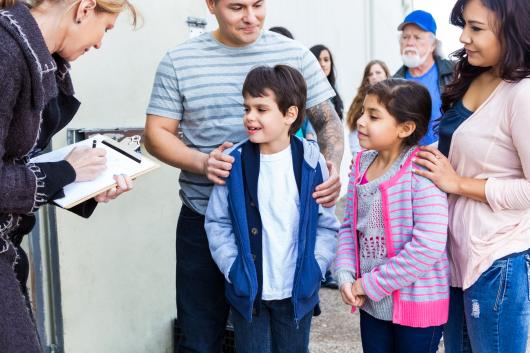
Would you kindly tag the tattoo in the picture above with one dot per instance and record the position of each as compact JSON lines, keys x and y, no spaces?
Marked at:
{"x":329,"y":131}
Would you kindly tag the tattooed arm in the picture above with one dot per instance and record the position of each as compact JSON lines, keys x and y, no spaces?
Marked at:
{"x":329,"y":131}
{"x":331,"y":141}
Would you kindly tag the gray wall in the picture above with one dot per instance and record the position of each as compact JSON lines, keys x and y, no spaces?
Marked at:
{"x":117,"y":269}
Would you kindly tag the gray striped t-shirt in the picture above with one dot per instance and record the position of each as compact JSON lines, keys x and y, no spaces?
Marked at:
{"x":199,"y":83}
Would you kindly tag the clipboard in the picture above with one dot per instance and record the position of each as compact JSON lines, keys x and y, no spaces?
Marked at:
{"x":120,"y":160}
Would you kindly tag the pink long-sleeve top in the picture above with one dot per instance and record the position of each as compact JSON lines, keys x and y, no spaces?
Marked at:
{"x":492,"y":144}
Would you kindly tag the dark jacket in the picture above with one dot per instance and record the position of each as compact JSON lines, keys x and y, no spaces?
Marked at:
{"x":445,"y":71}
{"x":233,"y":225}
{"x":36,"y":101}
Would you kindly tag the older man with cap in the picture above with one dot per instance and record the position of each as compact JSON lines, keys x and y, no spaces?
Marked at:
{"x":418,"y":46}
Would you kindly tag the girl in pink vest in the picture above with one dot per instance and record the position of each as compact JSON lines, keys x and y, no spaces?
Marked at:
{"x":391,"y":259}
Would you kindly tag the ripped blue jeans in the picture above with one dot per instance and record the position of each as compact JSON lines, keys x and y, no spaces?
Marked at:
{"x":493,"y":315}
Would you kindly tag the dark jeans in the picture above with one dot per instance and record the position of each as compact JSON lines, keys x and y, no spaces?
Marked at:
{"x":493,"y":314}
{"x":273,"y":331}
{"x":202,"y":309}
{"x":380,"y":336}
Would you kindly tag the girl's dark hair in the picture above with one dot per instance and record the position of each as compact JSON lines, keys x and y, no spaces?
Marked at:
{"x":337,"y":100}
{"x":356,"y":107}
{"x":283,"y":31}
{"x":406,"y":101}
{"x":288,"y":86}
{"x":513,"y":31}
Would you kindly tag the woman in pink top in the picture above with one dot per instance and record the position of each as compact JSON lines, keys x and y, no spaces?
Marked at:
{"x":483,"y":163}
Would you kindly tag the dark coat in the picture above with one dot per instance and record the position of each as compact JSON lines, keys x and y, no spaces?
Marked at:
{"x":36,"y":101}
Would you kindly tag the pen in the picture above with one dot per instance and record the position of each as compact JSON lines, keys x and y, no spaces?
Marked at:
{"x":94,"y":143}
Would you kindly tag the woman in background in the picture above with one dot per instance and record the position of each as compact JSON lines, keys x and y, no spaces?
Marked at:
{"x":375,"y":71}
{"x":325,"y":59}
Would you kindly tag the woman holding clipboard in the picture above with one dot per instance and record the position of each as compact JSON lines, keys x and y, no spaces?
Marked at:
{"x":37,"y":40}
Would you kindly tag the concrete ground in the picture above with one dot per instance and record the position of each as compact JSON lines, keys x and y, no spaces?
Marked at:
{"x":336,"y":329}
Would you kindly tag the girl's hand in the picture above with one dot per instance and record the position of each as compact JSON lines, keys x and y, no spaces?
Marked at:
{"x":349,"y":297}
{"x":358,"y":288}
{"x":359,"y":300}
{"x":347,"y":294}
{"x":439,"y":170}
{"x":358,"y":293}
{"x":124,"y":184}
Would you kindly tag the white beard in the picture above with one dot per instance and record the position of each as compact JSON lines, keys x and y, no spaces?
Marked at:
{"x":413,"y":61}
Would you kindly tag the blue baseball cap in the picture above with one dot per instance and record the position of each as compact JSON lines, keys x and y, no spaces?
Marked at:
{"x":420,"y":18}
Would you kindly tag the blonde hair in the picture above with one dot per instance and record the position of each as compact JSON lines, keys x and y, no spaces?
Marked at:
{"x":108,"y":6}
{"x":118,"y":6}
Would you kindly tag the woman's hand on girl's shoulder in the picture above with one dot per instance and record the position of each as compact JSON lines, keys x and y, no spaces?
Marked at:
{"x":438,"y":169}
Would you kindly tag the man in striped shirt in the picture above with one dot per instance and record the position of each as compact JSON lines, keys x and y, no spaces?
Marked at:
{"x":195,"y":113}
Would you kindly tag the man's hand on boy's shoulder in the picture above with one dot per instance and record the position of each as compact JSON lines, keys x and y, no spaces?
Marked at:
{"x":327,"y":193}
{"x":217,"y":165}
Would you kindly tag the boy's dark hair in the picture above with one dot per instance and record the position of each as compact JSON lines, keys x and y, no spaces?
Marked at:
{"x":405,"y":101}
{"x":288,"y":86}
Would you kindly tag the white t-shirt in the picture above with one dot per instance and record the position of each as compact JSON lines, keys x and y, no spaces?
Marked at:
{"x":279,"y":206}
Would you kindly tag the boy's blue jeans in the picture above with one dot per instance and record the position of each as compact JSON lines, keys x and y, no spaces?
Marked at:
{"x":379,"y":336}
{"x":202,"y":309}
{"x":273,"y":331}
{"x":493,"y":314}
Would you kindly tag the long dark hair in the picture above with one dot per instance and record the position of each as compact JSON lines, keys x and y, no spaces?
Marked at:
{"x":356,"y":107}
{"x":513,"y":31}
{"x":337,"y":100}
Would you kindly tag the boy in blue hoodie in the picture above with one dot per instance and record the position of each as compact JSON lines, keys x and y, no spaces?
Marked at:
{"x":266,"y":233}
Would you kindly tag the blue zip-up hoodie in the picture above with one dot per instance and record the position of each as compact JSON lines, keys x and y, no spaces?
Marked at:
{"x":233,"y":226}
